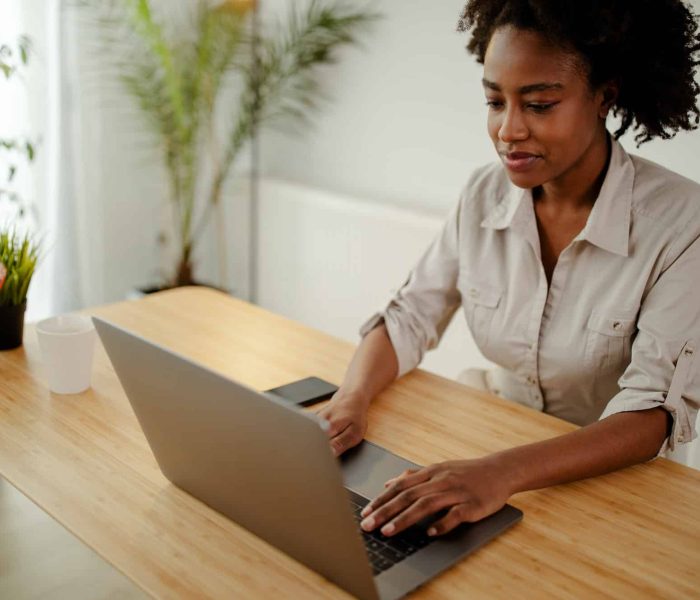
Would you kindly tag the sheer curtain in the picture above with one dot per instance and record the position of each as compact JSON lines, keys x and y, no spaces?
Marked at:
{"x":45,"y":104}
{"x":14,"y":120}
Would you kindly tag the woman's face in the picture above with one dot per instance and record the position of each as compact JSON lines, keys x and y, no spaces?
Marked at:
{"x":544,"y":120}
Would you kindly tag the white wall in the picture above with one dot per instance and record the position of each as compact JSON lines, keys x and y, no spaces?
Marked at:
{"x":405,"y":125}
{"x":408,"y":119}
{"x":331,"y":261}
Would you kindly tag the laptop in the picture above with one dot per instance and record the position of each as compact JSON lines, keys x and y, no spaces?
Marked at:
{"x":268,"y":466}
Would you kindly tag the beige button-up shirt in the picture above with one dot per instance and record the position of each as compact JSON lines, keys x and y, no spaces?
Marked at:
{"x":618,"y":328}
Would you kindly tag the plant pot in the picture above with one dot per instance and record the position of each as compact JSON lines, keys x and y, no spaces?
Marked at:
{"x":11,"y":325}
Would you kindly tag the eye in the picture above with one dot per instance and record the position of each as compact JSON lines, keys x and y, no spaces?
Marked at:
{"x":494,"y":104}
{"x":541,"y":107}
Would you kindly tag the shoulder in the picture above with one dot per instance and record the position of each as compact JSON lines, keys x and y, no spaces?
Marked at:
{"x":665,"y":197}
{"x":486,"y":187}
{"x":665,"y":210}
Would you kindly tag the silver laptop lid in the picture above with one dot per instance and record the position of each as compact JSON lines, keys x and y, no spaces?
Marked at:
{"x":264,"y":464}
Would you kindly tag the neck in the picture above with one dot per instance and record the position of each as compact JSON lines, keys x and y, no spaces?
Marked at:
{"x":580,"y":185}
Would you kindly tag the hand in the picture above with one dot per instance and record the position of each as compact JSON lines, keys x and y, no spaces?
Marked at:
{"x":347,"y":416}
{"x":468,"y":489}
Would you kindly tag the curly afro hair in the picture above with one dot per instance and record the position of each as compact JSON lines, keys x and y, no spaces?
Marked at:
{"x":648,"y":47}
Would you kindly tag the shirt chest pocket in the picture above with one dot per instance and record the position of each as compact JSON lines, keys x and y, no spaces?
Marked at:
{"x":609,"y":341}
{"x":480,"y":301}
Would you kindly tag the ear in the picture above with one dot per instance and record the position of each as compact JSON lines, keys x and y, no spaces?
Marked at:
{"x":609,"y":92}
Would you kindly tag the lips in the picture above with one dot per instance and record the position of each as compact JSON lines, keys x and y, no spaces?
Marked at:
{"x":519,"y":161}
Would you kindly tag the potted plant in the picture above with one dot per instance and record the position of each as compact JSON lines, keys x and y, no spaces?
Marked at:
{"x":18,"y":254}
{"x":18,"y":260}
{"x":178,"y":80}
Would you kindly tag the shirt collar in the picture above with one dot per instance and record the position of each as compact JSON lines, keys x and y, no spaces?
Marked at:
{"x":608,"y":225}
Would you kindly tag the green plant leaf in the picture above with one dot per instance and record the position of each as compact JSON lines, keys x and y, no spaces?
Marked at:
{"x":20,"y":256}
{"x":25,"y":46}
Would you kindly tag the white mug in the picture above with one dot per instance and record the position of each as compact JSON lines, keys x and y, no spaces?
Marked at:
{"x":67,"y":345}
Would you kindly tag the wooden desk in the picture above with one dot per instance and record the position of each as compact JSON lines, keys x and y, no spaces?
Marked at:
{"x":84,"y":460}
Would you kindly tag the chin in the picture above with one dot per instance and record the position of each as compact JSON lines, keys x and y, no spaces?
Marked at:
{"x":524,"y":180}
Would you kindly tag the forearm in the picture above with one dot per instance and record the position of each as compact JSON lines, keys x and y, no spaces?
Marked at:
{"x":373,"y":367}
{"x":616,"y":442}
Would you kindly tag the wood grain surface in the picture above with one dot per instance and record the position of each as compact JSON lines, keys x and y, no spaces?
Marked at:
{"x":85,"y":461}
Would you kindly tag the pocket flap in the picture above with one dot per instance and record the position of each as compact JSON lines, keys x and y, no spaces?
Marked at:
{"x":612,"y":326}
{"x":480,"y":293}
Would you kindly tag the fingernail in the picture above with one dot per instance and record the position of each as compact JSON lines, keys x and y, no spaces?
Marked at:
{"x":388,"y":529}
{"x":432,"y":531}
{"x":365,"y":511}
{"x":367,"y":524}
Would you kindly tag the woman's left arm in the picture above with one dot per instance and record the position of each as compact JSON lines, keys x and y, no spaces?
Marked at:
{"x":655,"y":409}
{"x":470,"y":490}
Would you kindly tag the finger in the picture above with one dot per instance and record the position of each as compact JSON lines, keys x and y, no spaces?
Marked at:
{"x":406,"y":473}
{"x":388,"y":482}
{"x":399,"y":484}
{"x":425,"y":506}
{"x":456,"y":515}
{"x":395,"y":506}
{"x":345,"y":440}
{"x":337,"y":426}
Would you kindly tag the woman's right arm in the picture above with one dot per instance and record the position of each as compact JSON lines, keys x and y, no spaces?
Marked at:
{"x":417,"y":316}
{"x":372,"y":368}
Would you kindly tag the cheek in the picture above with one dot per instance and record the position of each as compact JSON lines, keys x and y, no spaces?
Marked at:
{"x":493,"y":124}
{"x":569,"y":131}
{"x":577,"y":119}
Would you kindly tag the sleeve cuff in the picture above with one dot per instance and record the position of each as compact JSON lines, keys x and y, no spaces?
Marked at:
{"x":406,"y":356}
{"x":629,"y":400}
{"x":673,"y":401}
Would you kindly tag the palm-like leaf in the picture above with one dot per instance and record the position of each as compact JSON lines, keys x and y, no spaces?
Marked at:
{"x":281,"y":84}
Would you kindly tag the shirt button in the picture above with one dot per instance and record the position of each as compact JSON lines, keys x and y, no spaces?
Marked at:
{"x":531,"y":347}
{"x":531,"y":380}
{"x":474,"y":293}
{"x":688,"y":352}
{"x":617,"y":325}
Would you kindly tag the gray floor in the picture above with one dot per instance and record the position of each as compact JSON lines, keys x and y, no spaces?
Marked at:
{"x":41,"y":559}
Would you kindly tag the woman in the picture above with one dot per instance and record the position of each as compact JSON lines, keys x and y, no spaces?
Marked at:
{"x":577,"y":265}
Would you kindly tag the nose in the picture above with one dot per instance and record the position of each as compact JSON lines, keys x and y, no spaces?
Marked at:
{"x":513,"y":127}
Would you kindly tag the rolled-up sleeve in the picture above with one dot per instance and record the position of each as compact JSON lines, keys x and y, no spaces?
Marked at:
{"x":663,"y":371}
{"x":419,"y":312}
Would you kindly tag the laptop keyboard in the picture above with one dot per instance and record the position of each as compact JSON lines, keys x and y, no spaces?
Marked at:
{"x":384,"y":552}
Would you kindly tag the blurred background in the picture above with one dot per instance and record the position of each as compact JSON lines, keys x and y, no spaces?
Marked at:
{"x":320,"y":219}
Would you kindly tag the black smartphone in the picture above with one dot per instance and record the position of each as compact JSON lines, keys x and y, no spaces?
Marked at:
{"x":305,"y":392}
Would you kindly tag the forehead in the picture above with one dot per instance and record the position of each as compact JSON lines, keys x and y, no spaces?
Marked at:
{"x":517,"y":58}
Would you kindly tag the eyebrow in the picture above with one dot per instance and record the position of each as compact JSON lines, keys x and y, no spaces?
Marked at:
{"x":526,"y":89}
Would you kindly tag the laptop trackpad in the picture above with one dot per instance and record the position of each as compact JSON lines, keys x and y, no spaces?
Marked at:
{"x":367,"y":467}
